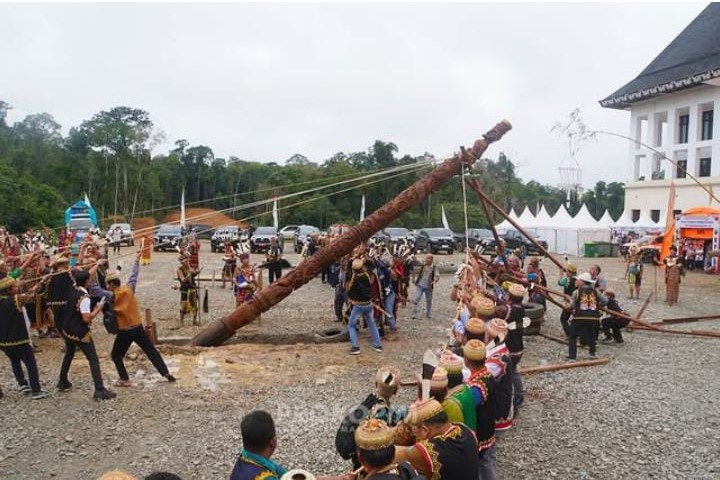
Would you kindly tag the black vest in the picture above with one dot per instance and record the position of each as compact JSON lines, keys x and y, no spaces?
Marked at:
{"x":454,"y":455}
{"x":587,"y":305}
{"x":74,"y":327}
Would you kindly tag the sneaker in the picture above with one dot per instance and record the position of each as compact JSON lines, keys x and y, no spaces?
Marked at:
{"x":170,"y":378}
{"x":354,"y":350}
{"x":377,"y":348}
{"x":620,"y":341}
{"x":64,"y":386}
{"x":571,"y":359}
{"x":606,"y":340}
{"x":123,"y":383}
{"x":593,"y":356}
{"x":104,"y":394}
{"x":23,"y":388}
{"x":39,"y":395}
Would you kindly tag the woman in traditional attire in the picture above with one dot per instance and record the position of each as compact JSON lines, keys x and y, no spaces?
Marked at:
{"x":229,"y":264}
{"x":673,"y":271}
{"x":147,"y":248}
{"x":247,"y":281}
{"x":188,"y":289}
{"x":634,"y":271}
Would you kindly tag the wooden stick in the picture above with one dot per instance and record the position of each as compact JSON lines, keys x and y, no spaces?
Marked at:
{"x":687,"y":319}
{"x":562,"y":366}
{"x":481,"y":194}
{"x":500,"y":251}
{"x":564,"y":341}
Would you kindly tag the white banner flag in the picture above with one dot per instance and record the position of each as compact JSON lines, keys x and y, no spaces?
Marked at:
{"x":182,"y":209}
{"x":362,"y":208}
{"x":444,"y":218}
{"x":275,"y":214}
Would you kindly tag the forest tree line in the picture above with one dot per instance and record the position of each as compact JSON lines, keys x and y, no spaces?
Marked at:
{"x":111,"y":157}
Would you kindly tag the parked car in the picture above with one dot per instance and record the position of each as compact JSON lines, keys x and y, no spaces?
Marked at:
{"x":227,"y":233}
{"x":301,"y":235}
{"x":288,"y":232}
{"x":260,"y":239}
{"x":478,"y":239}
{"x":204,"y":232}
{"x":432,"y":240}
{"x":168,"y":237}
{"x":127,"y":233}
{"x":514,"y":240}
{"x":396,"y":234}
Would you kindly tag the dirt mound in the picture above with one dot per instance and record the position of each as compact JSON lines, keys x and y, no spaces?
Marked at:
{"x":142,"y":224}
{"x":206,"y":216}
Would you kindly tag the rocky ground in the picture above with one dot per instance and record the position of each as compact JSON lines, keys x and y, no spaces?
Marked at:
{"x":652,"y":412}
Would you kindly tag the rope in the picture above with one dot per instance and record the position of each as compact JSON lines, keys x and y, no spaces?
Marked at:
{"x":417,"y":167}
{"x":465,"y":212}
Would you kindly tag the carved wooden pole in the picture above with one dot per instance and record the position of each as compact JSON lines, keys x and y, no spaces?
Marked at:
{"x":221,"y":330}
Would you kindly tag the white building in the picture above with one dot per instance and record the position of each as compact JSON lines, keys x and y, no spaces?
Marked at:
{"x":672,"y":106}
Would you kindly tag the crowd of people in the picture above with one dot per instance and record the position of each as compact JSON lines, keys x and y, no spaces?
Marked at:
{"x":43,"y":292}
{"x":469,"y":392}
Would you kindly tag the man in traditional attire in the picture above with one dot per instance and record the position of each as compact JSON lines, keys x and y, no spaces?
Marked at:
{"x":458,"y":393}
{"x":229,"y":264}
{"x":567,"y":281}
{"x":15,"y":338}
{"x":443,"y":450}
{"x":611,"y":325}
{"x":634,"y":271}
{"x":188,"y":289}
{"x":514,"y":340}
{"x":376,"y":453}
{"x":130,"y":326}
{"x":273,"y":259}
{"x":76,"y":332}
{"x":247,"y":281}
{"x":482,"y":386}
{"x":586,"y":314}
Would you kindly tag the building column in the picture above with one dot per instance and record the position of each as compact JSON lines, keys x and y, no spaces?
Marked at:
{"x":692,"y":165}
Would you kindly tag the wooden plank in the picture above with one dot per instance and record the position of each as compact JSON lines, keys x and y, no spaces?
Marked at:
{"x":562,"y":366}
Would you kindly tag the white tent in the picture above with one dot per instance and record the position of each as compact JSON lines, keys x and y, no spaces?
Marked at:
{"x":542,"y":219}
{"x":526,"y":219}
{"x":625,"y":222}
{"x":606,"y":220}
{"x":562,"y":218}
{"x":505,"y":225}
{"x":645,"y":222}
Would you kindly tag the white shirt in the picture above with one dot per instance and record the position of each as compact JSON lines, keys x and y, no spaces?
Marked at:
{"x":85,"y":302}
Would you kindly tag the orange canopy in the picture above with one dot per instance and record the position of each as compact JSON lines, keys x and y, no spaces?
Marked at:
{"x":702,"y":211}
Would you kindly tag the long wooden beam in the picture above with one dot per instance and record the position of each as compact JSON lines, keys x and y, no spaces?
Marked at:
{"x":221,"y":330}
{"x":562,"y":366}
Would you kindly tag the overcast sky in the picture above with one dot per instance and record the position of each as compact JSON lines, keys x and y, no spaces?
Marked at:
{"x":263,"y":82}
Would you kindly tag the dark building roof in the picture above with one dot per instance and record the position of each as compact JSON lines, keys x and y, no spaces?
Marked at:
{"x":691,"y":59}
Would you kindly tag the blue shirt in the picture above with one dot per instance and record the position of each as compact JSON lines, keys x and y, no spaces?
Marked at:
{"x":251,"y":466}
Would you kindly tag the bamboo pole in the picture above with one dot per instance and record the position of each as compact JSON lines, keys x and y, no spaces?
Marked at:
{"x":482,"y":195}
{"x":562,"y":366}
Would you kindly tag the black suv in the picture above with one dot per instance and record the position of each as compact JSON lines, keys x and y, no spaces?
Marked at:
{"x":515,"y":240}
{"x":478,"y":239}
{"x":432,"y":240}
{"x":168,"y":237}
{"x":260,"y":239}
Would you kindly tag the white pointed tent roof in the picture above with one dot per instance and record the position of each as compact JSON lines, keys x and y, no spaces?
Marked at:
{"x":505,"y":224}
{"x":584,"y":220}
{"x":562,"y":218}
{"x":542,"y":219}
{"x":625,"y":220}
{"x":606,"y":220}
{"x":526,"y":218}
{"x":645,"y":221}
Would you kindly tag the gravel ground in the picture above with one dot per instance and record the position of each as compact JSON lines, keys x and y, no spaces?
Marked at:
{"x":652,"y":412}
